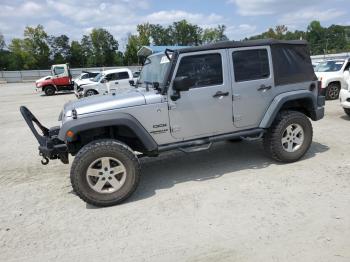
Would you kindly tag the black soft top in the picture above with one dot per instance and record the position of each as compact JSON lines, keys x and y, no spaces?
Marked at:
{"x":237,"y":44}
{"x":291,"y":59}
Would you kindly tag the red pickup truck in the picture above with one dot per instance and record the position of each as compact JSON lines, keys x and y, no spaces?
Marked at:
{"x":61,"y":80}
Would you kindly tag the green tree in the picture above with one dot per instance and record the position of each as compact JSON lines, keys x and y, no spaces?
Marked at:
{"x":59,"y":48}
{"x":2,"y":42}
{"x":161,"y":35}
{"x":104,"y":47}
{"x":130,"y":54}
{"x":316,"y":37}
{"x":145,"y":32}
{"x":76,"y":56}
{"x":185,"y":33}
{"x":212,"y":35}
{"x":35,"y":45}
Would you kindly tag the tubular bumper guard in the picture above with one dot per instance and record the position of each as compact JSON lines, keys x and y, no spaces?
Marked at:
{"x":50,"y":147}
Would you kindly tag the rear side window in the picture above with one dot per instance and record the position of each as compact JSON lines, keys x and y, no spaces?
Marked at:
{"x":251,"y":65}
{"x":110,"y":77}
{"x":122,"y":75}
{"x":204,"y":70}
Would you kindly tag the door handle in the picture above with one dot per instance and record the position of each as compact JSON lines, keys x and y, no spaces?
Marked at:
{"x":264,"y":88}
{"x":220,"y":94}
{"x":116,"y":83}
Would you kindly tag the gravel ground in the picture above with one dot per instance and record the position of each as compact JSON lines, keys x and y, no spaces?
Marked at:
{"x":231,"y":203}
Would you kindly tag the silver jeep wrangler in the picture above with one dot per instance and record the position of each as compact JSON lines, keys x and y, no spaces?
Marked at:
{"x":187,"y":99}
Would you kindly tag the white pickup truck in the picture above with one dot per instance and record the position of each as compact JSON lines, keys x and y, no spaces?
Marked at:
{"x":331,"y":75}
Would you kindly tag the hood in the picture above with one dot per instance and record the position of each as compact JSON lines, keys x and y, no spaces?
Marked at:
{"x":326,"y":74}
{"x":94,"y":104}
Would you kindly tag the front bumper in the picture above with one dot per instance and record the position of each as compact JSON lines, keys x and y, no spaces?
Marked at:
{"x":50,"y":147}
{"x":344,"y":98}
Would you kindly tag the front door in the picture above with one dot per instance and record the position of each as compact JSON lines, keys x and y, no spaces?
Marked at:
{"x":206,"y":109}
{"x":252,"y":84}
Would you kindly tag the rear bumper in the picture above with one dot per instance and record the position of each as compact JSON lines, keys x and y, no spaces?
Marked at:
{"x":50,"y":147}
{"x":319,"y":111}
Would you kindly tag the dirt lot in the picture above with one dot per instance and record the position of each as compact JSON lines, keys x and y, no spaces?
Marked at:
{"x":231,"y":203}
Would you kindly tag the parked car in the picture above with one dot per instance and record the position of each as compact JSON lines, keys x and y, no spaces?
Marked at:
{"x":331,"y":75}
{"x":43,"y":79}
{"x":105,"y":82}
{"x":85,"y":77}
{"x":345,"y":94}
{"x":61,"y":80}
{"x":201,"y":95}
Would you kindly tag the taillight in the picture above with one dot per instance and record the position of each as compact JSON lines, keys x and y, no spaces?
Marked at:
{"x":319,"y":86}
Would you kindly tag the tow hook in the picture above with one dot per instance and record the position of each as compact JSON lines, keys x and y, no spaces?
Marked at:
{"x":45,"y":161}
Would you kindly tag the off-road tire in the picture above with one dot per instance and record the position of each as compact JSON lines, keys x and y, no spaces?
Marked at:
{"x":90,"y":92}
{"x":333,"y":91}
{"x":347,"y":111}
{"x":49,"y":90}
{"x":272,"y":139}
{"x":96,"y":150}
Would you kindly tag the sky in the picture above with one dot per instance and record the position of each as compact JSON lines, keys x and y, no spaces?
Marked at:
{"x":243,"y":18}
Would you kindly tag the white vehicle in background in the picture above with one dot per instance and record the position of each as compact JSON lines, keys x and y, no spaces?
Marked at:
{"x":345,"y":94}
{"x":331,"y":75}
{"x":43,"y":79}
{"x":85,"y":77}
{"x":113,"y":80}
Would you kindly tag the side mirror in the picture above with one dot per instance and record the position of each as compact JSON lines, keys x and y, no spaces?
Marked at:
{"x":182,"y":83}
{"x":104,"y":80}
{"x":132,"y":82}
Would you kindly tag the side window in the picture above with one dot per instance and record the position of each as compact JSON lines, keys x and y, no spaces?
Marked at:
{"x":85,"y":76}
{"x":251,"y":64}
{"x":204,"y":70}
{"x":59,"y":70}
{"x":122,"y":75}
{"x":111,"y":77}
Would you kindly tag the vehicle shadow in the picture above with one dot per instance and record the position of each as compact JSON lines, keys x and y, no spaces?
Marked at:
{"x":345,"y":117}
{"x":59,"y":94}
{"x":178,"y":167}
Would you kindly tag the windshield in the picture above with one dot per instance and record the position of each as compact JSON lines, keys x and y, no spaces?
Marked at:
{"x":154,"y":69}
{"x":98,"y":77}
{"x":330,"y":66}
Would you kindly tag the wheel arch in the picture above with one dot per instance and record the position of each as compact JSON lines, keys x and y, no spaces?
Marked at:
{"x":119,"y":126}
{"x":303,"y":101}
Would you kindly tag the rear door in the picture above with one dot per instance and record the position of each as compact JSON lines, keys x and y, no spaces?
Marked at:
{"x":206,"y":109}
{"x":252,"y":84}
{"x":123,"y":79}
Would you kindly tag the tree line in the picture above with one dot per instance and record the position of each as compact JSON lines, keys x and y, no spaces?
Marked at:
{"x":38,"y":50}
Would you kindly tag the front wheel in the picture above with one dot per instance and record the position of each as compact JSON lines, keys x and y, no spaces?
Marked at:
{"x":105,"y":173}
{"x":49,"y":90}
{"x":333,"y":91}
{"x":90,"y":93}
{"x":347,"y":111}
{"x":289,"y":137}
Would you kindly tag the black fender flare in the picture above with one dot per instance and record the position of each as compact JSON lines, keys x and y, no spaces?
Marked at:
{"x":109,"y":119}
{"x":281,"y":99}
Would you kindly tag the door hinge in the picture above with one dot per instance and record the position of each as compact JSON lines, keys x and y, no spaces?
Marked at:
{"x":236,"y":97}
{"x":171,"y":106}
{"x":237,"y":118}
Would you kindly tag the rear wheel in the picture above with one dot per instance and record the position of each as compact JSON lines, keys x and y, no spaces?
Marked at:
{"x":105,"y":173}
{"x":347,"y":111}
{"x":90,"y":92}
{"x":289,"y":137}
{"x":333,"y":91}
{"x":49,"y":90}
